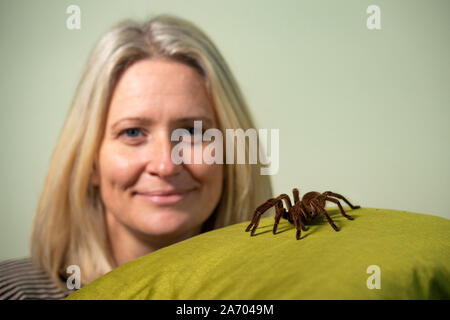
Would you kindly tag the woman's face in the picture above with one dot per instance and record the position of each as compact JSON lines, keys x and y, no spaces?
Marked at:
{"x":143,"y":191}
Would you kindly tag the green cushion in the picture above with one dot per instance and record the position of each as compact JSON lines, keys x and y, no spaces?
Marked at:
{"x":412,"y":251}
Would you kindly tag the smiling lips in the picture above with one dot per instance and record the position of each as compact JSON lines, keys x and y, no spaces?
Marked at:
{"x":165,"y":197}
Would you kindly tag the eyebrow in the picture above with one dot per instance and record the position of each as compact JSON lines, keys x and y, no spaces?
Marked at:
{"x":142,"y":120}
{"x":147,"y":121}
{"x":206,"y":120}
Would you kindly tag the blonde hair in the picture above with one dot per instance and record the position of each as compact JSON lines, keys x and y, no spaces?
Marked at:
{"x":69,"y":226}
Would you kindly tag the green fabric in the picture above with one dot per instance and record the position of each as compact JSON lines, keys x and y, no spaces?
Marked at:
{"x":412,"y":251}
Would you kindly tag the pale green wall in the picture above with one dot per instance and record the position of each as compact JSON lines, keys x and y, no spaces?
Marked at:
{"x":361,"y":112}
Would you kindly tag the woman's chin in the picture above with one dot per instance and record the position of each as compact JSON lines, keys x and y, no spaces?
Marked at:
{"x":166,"y":224}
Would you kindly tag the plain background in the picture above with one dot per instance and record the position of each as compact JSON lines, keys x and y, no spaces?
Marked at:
{"x":361,"y":112}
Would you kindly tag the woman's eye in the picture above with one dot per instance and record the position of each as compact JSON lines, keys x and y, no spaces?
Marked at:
{"x":191,"y":130}
{"x":132,"y":132}
{"x":192,"y":136}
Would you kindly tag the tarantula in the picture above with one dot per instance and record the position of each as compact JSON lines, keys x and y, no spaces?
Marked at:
{"x":302,"y":212}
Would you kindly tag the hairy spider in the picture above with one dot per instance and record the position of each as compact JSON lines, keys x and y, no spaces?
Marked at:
{"x":302,"y":212}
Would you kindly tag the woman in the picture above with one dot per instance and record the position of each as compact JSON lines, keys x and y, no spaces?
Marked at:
{"x":112,"y":192}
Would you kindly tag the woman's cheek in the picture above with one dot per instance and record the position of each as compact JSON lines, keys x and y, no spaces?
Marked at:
{"x":202,"y":171}
{"x":121,"y":166}
{"x":210,"y":176}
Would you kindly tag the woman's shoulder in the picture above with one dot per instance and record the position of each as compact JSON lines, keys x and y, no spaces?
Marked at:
{"x":20,"y":279}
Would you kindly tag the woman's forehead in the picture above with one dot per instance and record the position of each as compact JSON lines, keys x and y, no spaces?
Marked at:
{"x":160,"y":88}
{"x":160,"y":77}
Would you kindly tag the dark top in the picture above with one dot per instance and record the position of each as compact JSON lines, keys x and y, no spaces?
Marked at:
{"x":21,"y":280}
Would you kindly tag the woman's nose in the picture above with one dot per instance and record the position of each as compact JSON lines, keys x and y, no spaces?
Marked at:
{"x":160,"y":158}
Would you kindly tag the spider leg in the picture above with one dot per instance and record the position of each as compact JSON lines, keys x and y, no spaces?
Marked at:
{"x":299,"y":230}
{"x":340,"y":207}
{"x":263,"y":208}
{"x":305,"y":219}
{"x":280,"y":212}
{"x":296,"y":195}
{"x":298,"y":224}
{"x":287,"y":202}
{"x":258,"y":212}
{"x":318,"y":208}
{"x":295,"y":217}
{"x":337,"y":195}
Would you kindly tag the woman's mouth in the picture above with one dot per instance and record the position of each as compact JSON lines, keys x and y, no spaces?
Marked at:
{"x":165,"y":197}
